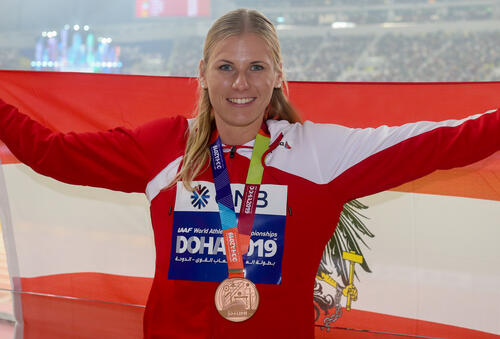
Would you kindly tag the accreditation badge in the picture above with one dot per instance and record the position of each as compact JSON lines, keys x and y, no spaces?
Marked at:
{"x":198,"y":252}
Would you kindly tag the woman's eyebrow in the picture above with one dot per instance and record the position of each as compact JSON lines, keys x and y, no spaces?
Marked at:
{"x":225,"y":61}
{"x":253,"y":62}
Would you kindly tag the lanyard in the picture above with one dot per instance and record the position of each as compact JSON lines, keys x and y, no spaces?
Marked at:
{"x":236,"y":243}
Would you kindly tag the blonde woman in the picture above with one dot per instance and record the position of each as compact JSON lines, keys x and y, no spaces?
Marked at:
{"x":219,"y":275}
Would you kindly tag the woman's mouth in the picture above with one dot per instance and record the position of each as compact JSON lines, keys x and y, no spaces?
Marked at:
{"x":240,"y":101}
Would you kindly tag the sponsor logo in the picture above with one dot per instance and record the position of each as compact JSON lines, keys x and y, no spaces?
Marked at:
{"x":232,"y":247}
{"x":261,"y":198}
{"x":267,"y":199}
{"x":200,"y":197}
{"x":216,"y":158}
{"x":250,"y":199}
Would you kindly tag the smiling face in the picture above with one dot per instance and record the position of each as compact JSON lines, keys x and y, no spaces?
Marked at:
{"x":240,"y":76}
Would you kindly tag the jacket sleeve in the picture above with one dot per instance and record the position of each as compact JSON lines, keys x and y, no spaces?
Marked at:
{"x":117,"y":159}
{"x":356,"y":162}
{"x":378,"y":159}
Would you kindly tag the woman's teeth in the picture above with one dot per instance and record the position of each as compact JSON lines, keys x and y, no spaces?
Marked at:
{"x":240,"y":100}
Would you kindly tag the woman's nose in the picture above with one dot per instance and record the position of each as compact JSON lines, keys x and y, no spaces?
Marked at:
{"x":240,"y":82}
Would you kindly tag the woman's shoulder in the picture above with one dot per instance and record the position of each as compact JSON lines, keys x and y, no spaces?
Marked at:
{"x":277,"y":127}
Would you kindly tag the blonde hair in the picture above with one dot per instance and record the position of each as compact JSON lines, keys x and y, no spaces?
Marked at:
{"x":237,"y":22}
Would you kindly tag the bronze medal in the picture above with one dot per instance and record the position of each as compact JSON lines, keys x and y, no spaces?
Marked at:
{"x":236,"y":299}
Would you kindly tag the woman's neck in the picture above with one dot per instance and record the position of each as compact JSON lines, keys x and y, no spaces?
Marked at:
{"x":238,"y":135}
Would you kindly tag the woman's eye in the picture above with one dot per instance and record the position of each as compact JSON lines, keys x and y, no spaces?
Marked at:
{"x":256,"y":67}
{"x":225,"y":67}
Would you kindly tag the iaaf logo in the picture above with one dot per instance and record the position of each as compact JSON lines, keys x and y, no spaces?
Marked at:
{"x":285,"y":144}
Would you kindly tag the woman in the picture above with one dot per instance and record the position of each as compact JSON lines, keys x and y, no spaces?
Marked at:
{"x":289,"y":182}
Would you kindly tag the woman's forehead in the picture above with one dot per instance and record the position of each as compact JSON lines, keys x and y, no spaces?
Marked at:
{"x":243,"y":47}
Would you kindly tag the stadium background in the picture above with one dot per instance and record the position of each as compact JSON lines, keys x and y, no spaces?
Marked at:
{"x":322,"y":40}
{"x":355,"y":40}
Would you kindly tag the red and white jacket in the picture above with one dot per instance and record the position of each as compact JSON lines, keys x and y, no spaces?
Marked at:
{"x":311,"y":170}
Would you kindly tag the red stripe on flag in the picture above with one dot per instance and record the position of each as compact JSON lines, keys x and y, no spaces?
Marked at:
{"x":49,"y":317}
{"x":93,"y":286}
{"x":103,"y":317}
{"x":394,"y":324}
{"x":90,"y":102}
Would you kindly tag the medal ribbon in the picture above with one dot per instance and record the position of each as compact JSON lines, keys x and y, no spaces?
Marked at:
{"x":236,"y":244}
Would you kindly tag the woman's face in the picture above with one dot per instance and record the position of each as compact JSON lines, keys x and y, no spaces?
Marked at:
{"x":240,"y":77}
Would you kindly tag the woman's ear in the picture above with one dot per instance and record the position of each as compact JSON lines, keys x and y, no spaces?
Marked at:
{"x":202,"y":79}
{"x":279,"y":76}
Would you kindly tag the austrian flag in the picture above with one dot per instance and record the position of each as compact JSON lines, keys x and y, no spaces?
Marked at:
{"x":81,"y":259}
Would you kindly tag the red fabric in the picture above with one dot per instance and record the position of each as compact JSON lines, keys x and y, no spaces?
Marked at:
{"x":175,"y":304}
{"x":99,"y":101}
{"x":132,"y":100}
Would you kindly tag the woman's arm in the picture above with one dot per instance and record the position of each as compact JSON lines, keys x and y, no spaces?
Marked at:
{"x":360,"y":162}
{"x":118,"y":159}
{"x":386,"y":157}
